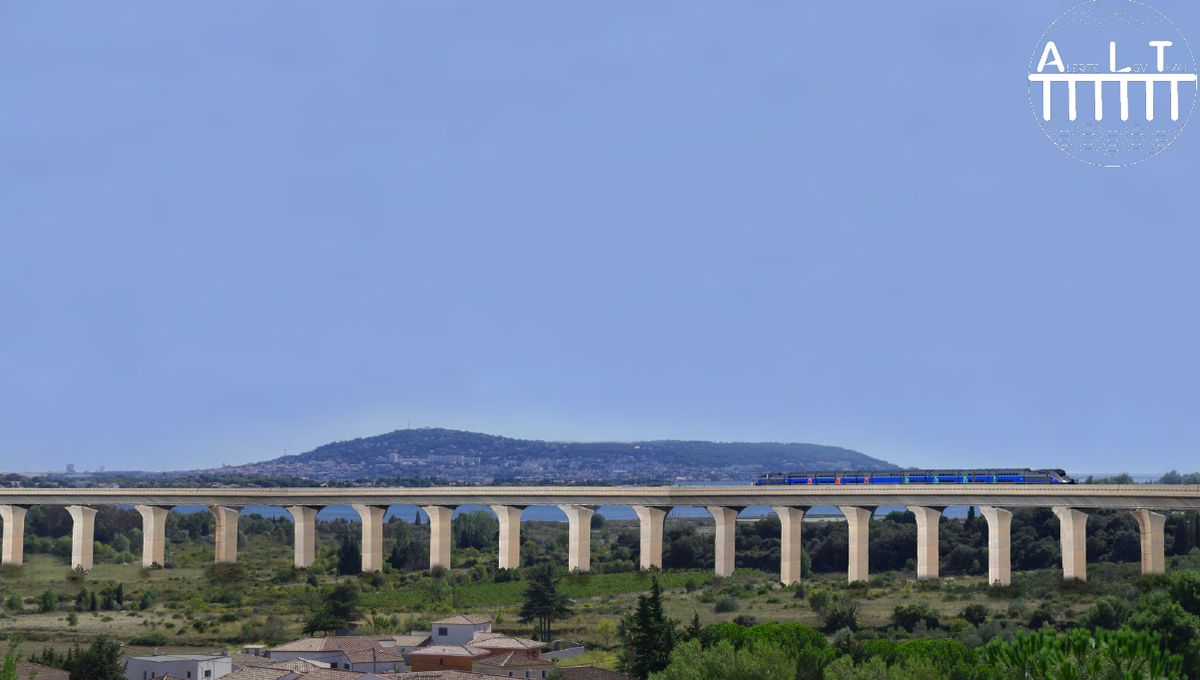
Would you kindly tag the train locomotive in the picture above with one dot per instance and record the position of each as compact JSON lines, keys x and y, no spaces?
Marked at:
{"x":988,"y":476}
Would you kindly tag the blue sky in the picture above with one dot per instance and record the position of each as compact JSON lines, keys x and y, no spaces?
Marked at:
{"x":234,"y":229}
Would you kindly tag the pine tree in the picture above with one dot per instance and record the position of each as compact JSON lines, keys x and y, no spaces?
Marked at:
{"x":543,"y":603}
{"x":349,"y":556}
{"x":1184,"y":535}
{"x":694,"y":630}
{"x":648,"y":635}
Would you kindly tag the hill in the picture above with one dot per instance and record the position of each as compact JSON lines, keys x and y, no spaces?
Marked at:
{"x":459,"y":456}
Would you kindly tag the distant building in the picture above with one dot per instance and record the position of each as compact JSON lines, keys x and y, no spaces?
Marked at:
{"x":514,"y":665}
{"x":446,"y":657}
{"x":405,"y":644}
{"x":459,"y":630}
{"x":363,"y":653}
{"x":182,"y":666}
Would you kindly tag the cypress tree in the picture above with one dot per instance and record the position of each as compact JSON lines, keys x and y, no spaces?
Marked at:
{"x":648,"y":635}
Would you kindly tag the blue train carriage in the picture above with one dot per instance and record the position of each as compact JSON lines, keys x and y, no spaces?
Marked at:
{"x":984,"y":476}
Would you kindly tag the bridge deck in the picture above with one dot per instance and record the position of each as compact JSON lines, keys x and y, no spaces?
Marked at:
{"x":1153,"y":496}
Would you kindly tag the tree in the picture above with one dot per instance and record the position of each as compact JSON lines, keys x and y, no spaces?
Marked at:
{"x":694,"y":629}
{"x":349,"y":556}
{"x":648,"y":636}
{"x":8,"y":669}
{"x":606,"y":630}
{"x":407,"y":553}
{"x":48,"y":602}
{"x":339,"y":607}
{"x":543,"y":603}
{"x":1160,"y":614}
{"x":477,"y":530}
{"x":1125,"y":654}
{"x":876,"y":668}
{"x":722,"y":661}
{"x":101,"y":661}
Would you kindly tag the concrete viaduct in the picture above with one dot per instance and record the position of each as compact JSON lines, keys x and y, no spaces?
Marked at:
{"x":1070,"y":503}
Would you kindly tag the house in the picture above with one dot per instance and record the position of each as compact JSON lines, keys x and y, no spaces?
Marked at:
{"x":363,"y":653}
{"x":305,"y":672}
{"x":459,"y":630}
{"x":27,"y":670}
{"x":438,"y":675}
{"x":499,"y":642}
{"x":182,"y":666}
{"x":514,"y":665}
{"x":446,"y":657}
{"x":405,"y":644}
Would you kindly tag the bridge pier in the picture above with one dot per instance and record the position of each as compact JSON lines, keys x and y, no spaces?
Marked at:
{"x":1154,"y":560}
{"x":650,"y":519}
{"x":371,"y":517}
{"x":440,"y":518}
{"x":225,"y":534}
{"x":791,"y":522}
{"x":83,"y":536}
{"x":999,"y":523}
{"x":858,"y":521}
{"x":579,"y":536}
{"x":1073,"y":535}
{"x":304,"y":535}
{"x":725,"y":539}
{"x":154,"y":534}
{"x":927,"y":540}
{"x":12,"y":548}
{"x":509,"y":517}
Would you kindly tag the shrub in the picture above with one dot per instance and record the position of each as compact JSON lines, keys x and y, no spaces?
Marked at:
{"x":1042,"y":616}
{"x":725,"y":605}
{"x":975,"y":614}
{"x":819,"y":600}
{"x":154,"y":639}
{"x":1108,"y":612}
{"x":841,"y":614}
{"x":907,"y":616}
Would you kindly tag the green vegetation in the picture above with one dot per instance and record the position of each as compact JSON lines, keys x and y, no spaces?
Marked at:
{"x":543,"y":603}
{"x":8,"y":668}
{"x":648,"y":636}
{"x":194,"y":604}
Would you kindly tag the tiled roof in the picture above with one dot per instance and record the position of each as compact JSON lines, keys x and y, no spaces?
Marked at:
{"x":463,"y":620}
{"x":505,"y":642}
{"x":167,"y":658}
{"x":240,"y":659}
{"x":450,"y":650}
{"x":512,"y":660}
{"x":257,"y":673}
{"x":329,"y":674}
{"x":415,"y":640}
{"x":589,"y":673}
{"x":335,"y":643}
{"x":374,"y":654}
{"x":437,"y":675}
{"x":300,"y":665}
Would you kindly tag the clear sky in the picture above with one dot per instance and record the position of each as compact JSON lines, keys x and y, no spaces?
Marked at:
{"x":231,"y":229}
